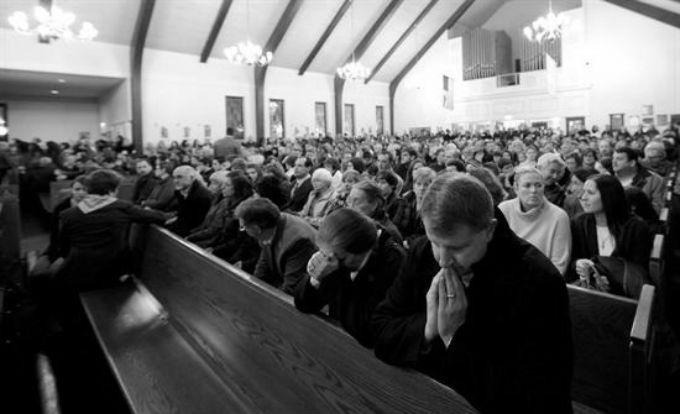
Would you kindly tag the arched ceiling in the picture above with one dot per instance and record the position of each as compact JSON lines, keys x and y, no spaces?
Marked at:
{"x":184,"y":25}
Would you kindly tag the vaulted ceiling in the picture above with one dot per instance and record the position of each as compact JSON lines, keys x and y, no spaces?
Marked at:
{"x":184,"y":25}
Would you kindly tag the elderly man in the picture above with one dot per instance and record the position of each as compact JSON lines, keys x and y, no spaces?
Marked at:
{"x":478,"y":308}
{"x":287,"y":242}
{"x":556,"y":177}
{"x":193,"y":200}
{"x":629,"y":171}
{"x":655,"y":159}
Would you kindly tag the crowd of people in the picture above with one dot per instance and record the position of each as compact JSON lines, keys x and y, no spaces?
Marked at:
{"x":447,"y":253}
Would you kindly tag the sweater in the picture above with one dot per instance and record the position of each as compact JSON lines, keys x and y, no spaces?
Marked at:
{"x":546,"y":227}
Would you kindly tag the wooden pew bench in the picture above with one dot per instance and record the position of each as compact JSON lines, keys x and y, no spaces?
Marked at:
{"x":612,"y":337}
{"x":206,"y":337}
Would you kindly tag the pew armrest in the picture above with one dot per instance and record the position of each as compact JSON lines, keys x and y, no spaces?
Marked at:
{"x":643,"y":315}
{"x":31,"y":260}
{"x":47,"y":386}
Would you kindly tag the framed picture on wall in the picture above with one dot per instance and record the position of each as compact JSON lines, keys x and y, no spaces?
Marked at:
{"x":661,"y":120}
{"x":349,"y":120}
{"x":380,"y":119}
{"x":207,"y":131}
{"x":276,"y":118}
{"x":235,"y":115}
{"x":575,"y":124}
{"x":616,"y":121}
{"x":320,"y":117}
{"x":164,"y":132}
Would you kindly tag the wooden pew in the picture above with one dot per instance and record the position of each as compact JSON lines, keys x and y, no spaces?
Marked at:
{"x":611,"y":337}
{"x":244,"y":345}
{"x":47,"y":386}
{"x":656,"y":262}
{"x":10,"y":237}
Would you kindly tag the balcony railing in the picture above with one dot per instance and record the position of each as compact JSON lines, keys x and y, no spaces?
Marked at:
{"x":507,"y":79}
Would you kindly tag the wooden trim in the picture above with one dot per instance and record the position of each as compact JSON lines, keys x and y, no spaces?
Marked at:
{"x":648,"y":10}
{"x":369,"y":37}
{"x":326,"y":34}
{"x":447,"y":25}
{"x":261,"y":71}
{"x":643,"y":314}
{"x":401,"y":39}
{"x":657,"y":247}
{"x":136,"y":52}
{"x":215,"y":30}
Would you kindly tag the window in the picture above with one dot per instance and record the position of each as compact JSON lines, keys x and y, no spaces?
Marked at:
{"x":349,"y":120}
{"x":276,"y":119}
{"x":320,"y":118}
{"x":380,"y":120}
{"x":235,"y":115}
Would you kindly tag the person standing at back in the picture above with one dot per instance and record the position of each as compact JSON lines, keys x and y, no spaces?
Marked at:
{"x":227,"y":147}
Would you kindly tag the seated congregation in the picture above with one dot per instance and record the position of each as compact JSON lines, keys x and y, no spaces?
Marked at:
{"x":455,"y":255}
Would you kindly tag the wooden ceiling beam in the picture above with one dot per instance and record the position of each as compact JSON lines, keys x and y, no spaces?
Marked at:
{"x":261,"y":71}
{"x":215,"y":30}
{"x":401,"y":39}
{"x":136,"y":52}
{"x":369,"y":37}
{"x":649,"y":10}
{"x":326,"y":34}
{"x":447,"y":25}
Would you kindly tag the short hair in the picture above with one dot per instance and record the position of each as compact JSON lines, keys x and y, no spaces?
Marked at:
{"x":656,"y":146}
{"x":322,"y":174}
{"x":491,"y":182}
{"x":272,"y":186}
{"x":243,"y":186}
{"x":351,"y":175}
{"x":424,"y":173}
{"x":525,"y":170}
{"x":457,"y":164}
{"x":332,"y":162}
{"x":455,"y":199}
{"x":102,"y":182}
{"x":258,"y":211}
{"x":576,"y":156}
{"x":583,"y":174}
{"x":308,"y":162}
{"x":389,"y":177}
{"x":632,"y":154}
{"x":348,"y":230}
{"x":219,"y":175}
{"x":143,"y":159}
{"x":549,"y":158}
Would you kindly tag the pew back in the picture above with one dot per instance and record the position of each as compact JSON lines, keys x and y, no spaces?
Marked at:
{"x":276,"y":358}
{"x":604,"y":360}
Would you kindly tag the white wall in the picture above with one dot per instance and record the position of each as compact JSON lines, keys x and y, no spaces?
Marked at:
{"x":114,"y":105}
{"x":52,"y":120}
{"x":607,"y":68}
{"x":178,"y":91}
{"x":418,"y":101}
{"x":81,"y":58}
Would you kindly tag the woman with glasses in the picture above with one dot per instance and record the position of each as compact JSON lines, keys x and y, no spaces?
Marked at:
{"x":355,"y":265}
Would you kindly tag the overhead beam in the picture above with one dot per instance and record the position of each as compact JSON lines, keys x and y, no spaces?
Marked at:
{"x":136,"y":52}
{"x":261,"y":71}
{"x":47,"y":5}
{"x":649,"y":10}
{"x":401,"y":39}
{"x":319,"y":44}
{"x":215,"y":30}
{"x":369,"y":37}
{"x":400,"y":76}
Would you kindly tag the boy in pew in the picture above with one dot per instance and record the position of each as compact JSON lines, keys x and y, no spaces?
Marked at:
{"x":94,"y":239}
{"x":355,"y":265}
{"x":478,"y":308}
{"x":287,"y":242}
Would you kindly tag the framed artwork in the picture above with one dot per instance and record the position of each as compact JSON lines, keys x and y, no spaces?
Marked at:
{"x":647,"y":110}
{"x":207,"y":131}
{"x":320,"y":118}
{"x":380,"y":119}
{"x":164,"y":132}
{"x":349,"y":120}
{"x":447,"y":92}
{"x":187,"y":132}
{"x":276,"y":118}
{"x":235,"y":115}
{"x":575,"y":124}
{"x":662,"y":120}
{"x":616,"y":121}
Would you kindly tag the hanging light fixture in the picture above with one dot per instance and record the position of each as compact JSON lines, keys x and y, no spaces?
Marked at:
{"x":53,"y":24}
{"x":548,"y":27}
{"x":248,"y":53}
{"x":353,"y":70}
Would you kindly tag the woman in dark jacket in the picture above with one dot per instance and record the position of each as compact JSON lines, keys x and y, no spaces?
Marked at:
{"x":355,"y":265}
{"x":608,"y":229}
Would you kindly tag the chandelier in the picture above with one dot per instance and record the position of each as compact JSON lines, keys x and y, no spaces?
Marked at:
{"x":53,"y":24}
{"x":248,"y":53}
{"x":353,"y":70}
{"x":548,"y":27}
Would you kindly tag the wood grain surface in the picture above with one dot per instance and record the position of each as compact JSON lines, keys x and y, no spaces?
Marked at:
{"x":270,"y":356}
